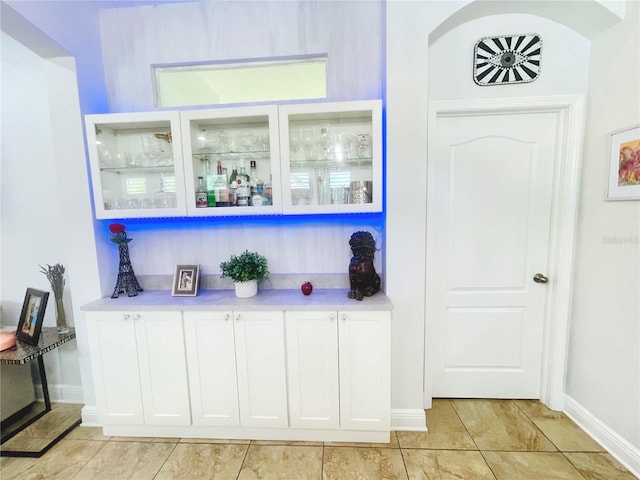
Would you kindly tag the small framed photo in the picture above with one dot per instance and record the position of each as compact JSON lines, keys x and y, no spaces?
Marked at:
{"x":623,"y":179}
{"x":30,"y":324}
{"x":186,"y":281}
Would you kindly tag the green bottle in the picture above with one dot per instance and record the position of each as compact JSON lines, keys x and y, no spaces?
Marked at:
{"x":211,"y":192}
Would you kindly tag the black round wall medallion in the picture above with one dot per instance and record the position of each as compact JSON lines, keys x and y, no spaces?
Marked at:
{"x":507,"y":59}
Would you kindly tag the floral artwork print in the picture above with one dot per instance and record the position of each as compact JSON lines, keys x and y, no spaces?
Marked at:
{"x":629,"y":164}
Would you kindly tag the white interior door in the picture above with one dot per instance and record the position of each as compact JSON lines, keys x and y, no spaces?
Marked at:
{"x":490,"y":192}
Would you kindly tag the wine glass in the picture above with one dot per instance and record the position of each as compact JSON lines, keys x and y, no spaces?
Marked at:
{"x":295,"y":141}
{"x":309,"y":143}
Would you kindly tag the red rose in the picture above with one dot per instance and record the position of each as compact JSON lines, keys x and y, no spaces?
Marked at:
{"x":116,"y":228}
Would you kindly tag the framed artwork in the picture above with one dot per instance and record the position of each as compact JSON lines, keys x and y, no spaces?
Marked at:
{"x":623,"y":179}
{"x":507,"y":59}
{"x":186,"y":281}
{"x":30,"y":324}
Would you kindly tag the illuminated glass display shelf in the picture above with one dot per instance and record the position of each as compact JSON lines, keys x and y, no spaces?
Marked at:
{"x":313,"y":158}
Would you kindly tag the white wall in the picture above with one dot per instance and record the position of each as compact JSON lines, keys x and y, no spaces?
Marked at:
{"x":133,"y":39}
{"x":564,"y":64}
{"x":603,"y":371}
{"x":44,"y":195}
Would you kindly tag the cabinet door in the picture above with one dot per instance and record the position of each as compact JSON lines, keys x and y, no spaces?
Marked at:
{"x":136,"y":164}
{"x":114,"y":361}
{"x":211,"y":360}
{"x":224,"y":137}
{"x":262,"y":382}
{"x":331,"y":157}
{"x":312,"y":369}
{"x":163,"y":368}
{"x":365,"y":365}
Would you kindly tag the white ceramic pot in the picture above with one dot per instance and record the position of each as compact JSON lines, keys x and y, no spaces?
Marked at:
{"x":246,"y":289}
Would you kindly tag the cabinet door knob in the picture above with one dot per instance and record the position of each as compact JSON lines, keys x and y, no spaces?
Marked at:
{"x":126,"y":316}
{"x":344,"y":317}
{"x":136,"y":316}
{"x":226,"y":316}
{"x":237,"y":316}
{"x":332,"y":317}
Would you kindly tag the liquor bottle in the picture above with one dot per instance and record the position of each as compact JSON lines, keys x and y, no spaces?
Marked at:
{"x":201,"y":194}
{"x":219,"y":168}
{"x":253,"y":173}
{"x":244,"y":187}
{"x":259,"y":199}
{"x":234,"y":173}
{"x":211,"y":193}
{"x":233,"y":186}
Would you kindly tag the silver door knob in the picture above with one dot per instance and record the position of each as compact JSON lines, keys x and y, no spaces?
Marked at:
{"x":540,"y":278}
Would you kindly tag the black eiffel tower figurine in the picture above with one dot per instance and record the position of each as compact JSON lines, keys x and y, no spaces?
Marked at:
{"x":127,"y":281}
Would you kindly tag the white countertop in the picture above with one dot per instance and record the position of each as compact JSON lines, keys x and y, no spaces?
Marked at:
{"x":266,"y":299}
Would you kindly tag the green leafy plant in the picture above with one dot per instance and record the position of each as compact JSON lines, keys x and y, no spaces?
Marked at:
{"x":244,"y":267}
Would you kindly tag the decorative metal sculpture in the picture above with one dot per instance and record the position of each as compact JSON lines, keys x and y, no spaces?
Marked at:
{"x":127,"y":281}
{"x":363,"y":279}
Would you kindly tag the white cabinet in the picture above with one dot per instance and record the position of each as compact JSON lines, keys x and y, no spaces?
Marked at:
{"x":264,"y":373}
{"x":262,"y":378}
{"x":211,"y":360}
{"x":237,"y":368}
{"x":215,"y":140}
{"x":139,"y":367}
{"x":136,"y":164}
{"x":331,"y":157}
{"x":312,"y":369}
{"x":365,"y":370}
{"x":312,"y":158}
{"x":339,"y":369}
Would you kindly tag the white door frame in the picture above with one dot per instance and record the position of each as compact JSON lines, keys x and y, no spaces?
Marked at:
{"x":566,"y":186}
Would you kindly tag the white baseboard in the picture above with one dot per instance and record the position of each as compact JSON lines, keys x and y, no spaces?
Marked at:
{"x":627,"y":454}
{"x":61,"y":393}
{"x":90,"y":416}
{"x":408,"y":420}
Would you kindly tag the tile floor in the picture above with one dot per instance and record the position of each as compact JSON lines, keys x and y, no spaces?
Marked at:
{"x":467,"y":439}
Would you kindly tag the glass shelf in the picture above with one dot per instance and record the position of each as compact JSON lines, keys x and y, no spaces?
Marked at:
{"x":154,"y":169}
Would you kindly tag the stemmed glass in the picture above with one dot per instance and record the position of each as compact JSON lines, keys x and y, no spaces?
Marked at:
{"x":309,"y":143}
{"x":295,"y":142}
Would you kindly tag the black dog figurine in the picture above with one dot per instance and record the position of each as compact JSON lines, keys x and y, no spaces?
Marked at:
{"x":363,"y":279}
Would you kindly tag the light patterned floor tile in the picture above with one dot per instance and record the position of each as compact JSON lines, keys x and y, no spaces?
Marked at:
{"x":349,"y":463}
{"x":531,"y":466}
{"x":288,"y":442}
{"x":280,"y":462}
{"x":599,"y":466}
{"x":87,"y":433}
{"x":445,"y":430}
{"x":195,"y":461}
{"x":559,"y":428}
{"x":62,"y":462}
{"x":215,"y":440}
{"x":146,"y":439}
{"x":501,"y":425}
{"x":393,"y":443}
{"x":446,"y":465}
{"x":126,"y":461}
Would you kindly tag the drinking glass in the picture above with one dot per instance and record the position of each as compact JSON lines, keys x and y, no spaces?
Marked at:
{"x":363,"y":140}
{"x":295,"y":142}
{"x":309,"y":143}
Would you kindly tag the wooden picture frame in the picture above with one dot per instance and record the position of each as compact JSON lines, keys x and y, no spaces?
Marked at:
{"x":32,"y":315}
{"x":186,"y":281}
{"x":623,"y":179}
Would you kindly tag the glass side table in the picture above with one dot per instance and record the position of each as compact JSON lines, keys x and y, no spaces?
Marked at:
{"x":22,"y":354}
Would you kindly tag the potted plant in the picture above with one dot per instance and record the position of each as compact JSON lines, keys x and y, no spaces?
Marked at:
{"x":245,"y":270}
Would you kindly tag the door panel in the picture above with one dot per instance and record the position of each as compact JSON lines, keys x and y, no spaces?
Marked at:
{"x":492,"y":178}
